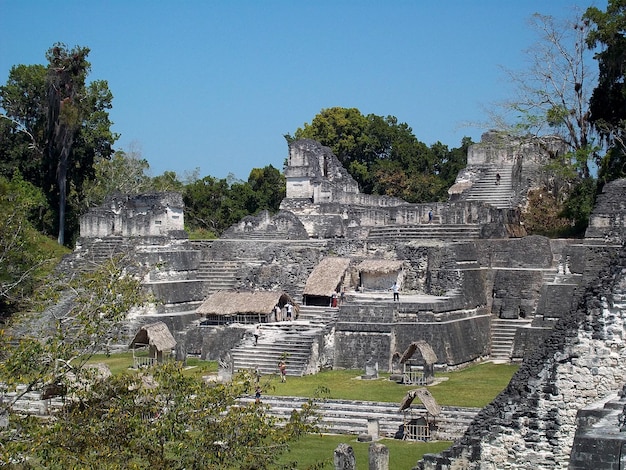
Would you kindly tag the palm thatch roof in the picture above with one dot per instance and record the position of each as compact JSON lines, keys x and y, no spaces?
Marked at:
{"x":425,"y":350}
{"x":326,"y":276}
{"x":154,"y":334}
{"x":382,"y":266}
{"x":425,"y":397}
{"x":230,"y":303}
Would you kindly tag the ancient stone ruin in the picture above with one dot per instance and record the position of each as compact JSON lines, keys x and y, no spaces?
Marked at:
{"x":472,"y":287}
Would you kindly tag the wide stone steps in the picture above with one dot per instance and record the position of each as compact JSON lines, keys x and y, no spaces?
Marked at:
{"x":31,"y":402}
{"x":287,"y":341}
{"x":486,"y":189}
{"x":424,"y":232}
{"x":218,"y":275}
{"x":503,"y":337}
{"x":96,"y":252}
{"x":322,"y":316}
{"x":265,"y":235}
{"x":352,"y":417}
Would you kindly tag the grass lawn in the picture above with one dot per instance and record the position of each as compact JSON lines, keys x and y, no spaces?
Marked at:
{"x":473,"y":386}
{"x":403,"y":455}
{"x":122,"y":362}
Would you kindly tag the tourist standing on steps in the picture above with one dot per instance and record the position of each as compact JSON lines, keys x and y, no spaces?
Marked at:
{"x":289,"y":308}
{"x":257,"y":395}
{"x":342,"y":296}
{"x":396,"y":292}
{"x":430,"y":216}
{"x":497,"y":178}
{"x":282,"y":367}
{"x":257,"y":333}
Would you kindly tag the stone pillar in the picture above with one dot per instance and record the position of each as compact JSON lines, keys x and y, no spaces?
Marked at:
{"x":372,"y":427}
{"x":378,"y":457}
{"x":344,"y":458}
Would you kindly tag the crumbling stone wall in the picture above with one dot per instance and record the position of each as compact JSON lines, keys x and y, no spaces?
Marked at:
{"x":284,"y":225}
{"x":145,"y":215}
{"x":326,"y":199}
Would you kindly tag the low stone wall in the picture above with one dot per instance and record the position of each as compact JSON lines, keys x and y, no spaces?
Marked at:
{"x":212,"y":342}
{"x":375,"y":333}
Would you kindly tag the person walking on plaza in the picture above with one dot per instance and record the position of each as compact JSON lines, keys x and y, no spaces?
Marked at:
{"x":396,"y":292}
{"x":282,"y":367}
{"x":257,"y":333}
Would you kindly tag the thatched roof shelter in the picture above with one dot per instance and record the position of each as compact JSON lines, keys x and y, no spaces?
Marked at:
{"x":156,"y":335}
{"x":382,"y":266}
{"x":425,"y":350}
{"x":228,"y":303}
{"x":326,"y":276}
{"x":425,"y":397}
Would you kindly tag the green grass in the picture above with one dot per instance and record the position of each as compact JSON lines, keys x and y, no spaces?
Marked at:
{"x":403,"y":455}
{"x":122,"y":362}
{"x":473,"y":386}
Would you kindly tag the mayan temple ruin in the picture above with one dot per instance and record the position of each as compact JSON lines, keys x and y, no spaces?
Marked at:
{"x":471,"y":286}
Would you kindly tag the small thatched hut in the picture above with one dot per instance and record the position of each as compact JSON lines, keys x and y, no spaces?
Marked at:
{"x":243,"y":307}
{"x":327,"y":278}
{"x":419,"y":427}
{"x":412,"y":366}
{"x":380,"y":274}
{"x":157,"y":339}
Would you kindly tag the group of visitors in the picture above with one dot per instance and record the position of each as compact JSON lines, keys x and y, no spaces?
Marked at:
{"x":278,"y":312}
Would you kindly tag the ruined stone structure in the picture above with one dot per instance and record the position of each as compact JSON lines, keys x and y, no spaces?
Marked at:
{"x":147,"y":215}
{"x":472,"y":287}
{"x":556,"y":411}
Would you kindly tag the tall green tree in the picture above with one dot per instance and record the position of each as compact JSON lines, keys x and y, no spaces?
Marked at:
{"x":268,"y":185}
{"x":22,"y":124}
{"x":551,"y":95}
{"x":608,"y":101}
{"x":21,"y":252}
{"x":54,"y":126}
{"x":214,"y":204}
{"x":551,"y":98}
{"x":123,"y":173}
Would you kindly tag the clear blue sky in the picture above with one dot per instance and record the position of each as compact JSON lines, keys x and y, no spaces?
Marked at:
{"x":215,"y":85}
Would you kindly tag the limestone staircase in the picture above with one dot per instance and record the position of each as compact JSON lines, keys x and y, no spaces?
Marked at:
{"x":448,"y":232}
{"x":486,"y":189}
{"x":503,"y":336}
{"x":218,"y":275}
{"x":287,"y":341}
{"x":320,"y":316}
{"x":351,"y":417}
{"x":94,"y":252}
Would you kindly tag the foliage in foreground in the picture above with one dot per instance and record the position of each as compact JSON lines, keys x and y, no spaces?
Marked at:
{"x":165,"y":420}
{"x":25,"y":255}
